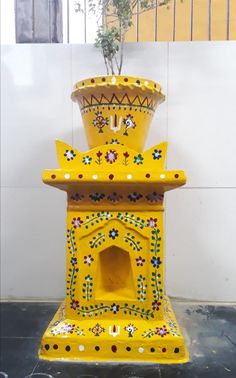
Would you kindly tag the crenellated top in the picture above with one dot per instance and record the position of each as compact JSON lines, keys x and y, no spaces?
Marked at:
{"x":113,"y":174}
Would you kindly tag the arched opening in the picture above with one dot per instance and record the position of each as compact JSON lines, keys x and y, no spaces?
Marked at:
{"x":114,"y":279}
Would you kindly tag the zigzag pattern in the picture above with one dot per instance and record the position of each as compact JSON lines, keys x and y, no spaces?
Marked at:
{"x":124,"y":100}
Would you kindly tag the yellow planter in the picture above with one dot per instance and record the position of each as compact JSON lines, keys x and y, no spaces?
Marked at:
{"x":115,"y":307}
{"x":117,"y":109}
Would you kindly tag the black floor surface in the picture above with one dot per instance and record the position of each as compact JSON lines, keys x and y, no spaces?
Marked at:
{"x":210,"y":333}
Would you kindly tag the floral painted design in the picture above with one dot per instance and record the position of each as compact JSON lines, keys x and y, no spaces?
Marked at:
{"x":77,"y":222}
{"x":114,"y":141}
{"x":99,"y":158}
{"x":74,"y":304}
{"x":132,"y":219}
{"x":142,"y":288}
{"x":130,"y":328}
{"x":87,"y":287}
{"x":97,"y":329}
{"x":162,"y":331}
{"x":113,"y":233}
{"x":156,"y":305}
{"x":134,"y":197}
{"x":155,"y":261}
{"x":114,"y":197}
{"x":67,"y":328}
{"x":154,"y":197}
{"x":125,"y":160}
{"x":111,"y":156}
{"x":152,"y":222}
{"x":87,"y":160}
{"x":100,"y":121}
{"x":156,"y":154}
{"x":114,"y":308}
{"x":156,"y":286}
{"x":133,"y":242}
{"x":77,"y":197}
{"x":73,"y":260}
{"x":97,"y":240}
{"x":69,"y":154}
{"x":88,"y":260}
{"x":95,"y":218}
{"x":79,"y":331}
{"x":149,"y":333}
{"x":155,"y":245}
{"x":140,"y":261}
{"x":129,"y":123}
{"x":138,"y":159}
{"x":97,"y":197}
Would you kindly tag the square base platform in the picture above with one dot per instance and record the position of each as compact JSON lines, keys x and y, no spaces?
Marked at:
{"x":114,"y":341}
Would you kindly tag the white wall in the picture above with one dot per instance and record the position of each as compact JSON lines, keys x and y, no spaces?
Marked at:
{"x":198,"y":120}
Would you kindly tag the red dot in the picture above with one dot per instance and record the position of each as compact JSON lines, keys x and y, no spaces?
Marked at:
{"x":148,"y":175}
{"x":176,"y":175}
{"x":80,"y":176}
{"x":92,"y":80}
{"x":163,"y":350}
{"x":114,"y":348}
{"x":125,"y":79}
{"x":111,"y":176}
{"x":55,"y":346}
{"x":53,"y":176}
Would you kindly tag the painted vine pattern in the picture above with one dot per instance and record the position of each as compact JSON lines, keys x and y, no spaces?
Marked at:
{"x":90,"y":221}
{"x":133,"y":242}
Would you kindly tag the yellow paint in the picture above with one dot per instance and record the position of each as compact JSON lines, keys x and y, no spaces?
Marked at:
{"x":115,"y":307}
{"x":219,"y":20}
{"x":232,"y":24}
{"x":147,"y":26}
{"x":182,"y":20}
{"x":99,"y":105}
{"x":165,"y":22}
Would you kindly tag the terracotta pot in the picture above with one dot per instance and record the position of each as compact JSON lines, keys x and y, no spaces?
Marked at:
{"x":117,"y":109}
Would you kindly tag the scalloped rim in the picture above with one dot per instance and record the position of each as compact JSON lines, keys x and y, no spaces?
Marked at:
{"x":118,"y":81}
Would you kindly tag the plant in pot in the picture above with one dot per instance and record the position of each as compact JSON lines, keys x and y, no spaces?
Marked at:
{"x":117,"y":109}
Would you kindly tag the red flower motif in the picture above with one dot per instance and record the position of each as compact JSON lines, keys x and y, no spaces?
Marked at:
{"x":140,"y":261}
{"x":162,"y":331}
{"x":74,"y":304}
{"x":111,"y":156}
{"x":126,"y":154}
{"x":99,"y":154}
{"x":152,"y":222}
{"x":156,"y":305}
{"x":77,"y":222}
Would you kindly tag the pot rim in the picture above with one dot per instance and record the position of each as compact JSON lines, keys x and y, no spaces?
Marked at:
{"x":132,"y":82}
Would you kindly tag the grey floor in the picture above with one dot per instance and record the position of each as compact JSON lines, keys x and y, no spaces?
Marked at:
{"x":210,"y":332}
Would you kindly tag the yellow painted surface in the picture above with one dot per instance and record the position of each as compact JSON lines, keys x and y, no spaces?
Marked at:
{"x":133,"y":103}
{"x":182,"y":23}
{"x":147,"y":26}
{"x":165,"y":22}
{"x":200,"y":20}
{"x":115,"y":307}
{"x":219,"y":20}
{"x":131,"y":35}
{"x":232,"y":24}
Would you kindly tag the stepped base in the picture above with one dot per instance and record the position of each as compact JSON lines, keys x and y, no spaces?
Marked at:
{"x":136,"y":341}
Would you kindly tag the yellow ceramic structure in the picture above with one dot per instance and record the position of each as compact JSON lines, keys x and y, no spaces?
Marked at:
{"x":115,"y":307}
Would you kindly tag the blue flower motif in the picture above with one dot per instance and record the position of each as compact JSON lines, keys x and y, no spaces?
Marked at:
{"x":156,"y":154}
{"x":115,"y":308}
{"x":156,"y":262}
{"x":73,"y":260}
{"x":69,"y":154}
{"x":154,"y":197}
{"x":113,"y":233}
{"x":86,"y":160}
{"x":96,"y":197}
